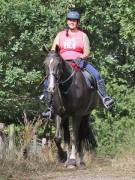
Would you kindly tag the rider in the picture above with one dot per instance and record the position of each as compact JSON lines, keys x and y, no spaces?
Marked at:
{"x":74,"y":44}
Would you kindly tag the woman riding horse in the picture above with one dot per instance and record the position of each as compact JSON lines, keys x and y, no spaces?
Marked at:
{"x":73,"y":102}
{"x":74,"y":45}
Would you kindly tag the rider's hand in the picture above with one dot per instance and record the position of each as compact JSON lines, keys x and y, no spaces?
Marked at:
{"x":80,"y":62}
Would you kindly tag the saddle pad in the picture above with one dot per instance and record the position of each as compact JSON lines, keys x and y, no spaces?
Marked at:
{"x":88,"y":78}
{"x":74,"y":66}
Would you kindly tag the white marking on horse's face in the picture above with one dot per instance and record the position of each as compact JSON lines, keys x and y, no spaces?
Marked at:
{"x":50,"y":68}
{"x":51,"y":82}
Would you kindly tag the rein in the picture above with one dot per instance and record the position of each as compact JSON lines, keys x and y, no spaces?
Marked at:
{"x":68,"y":78}
{"x":62,"y":82}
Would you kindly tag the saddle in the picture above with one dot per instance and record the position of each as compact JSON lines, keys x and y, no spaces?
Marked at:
{"x":90,"y":80}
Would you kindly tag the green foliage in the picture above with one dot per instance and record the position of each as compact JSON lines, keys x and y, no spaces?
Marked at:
{"x":25,"y":26}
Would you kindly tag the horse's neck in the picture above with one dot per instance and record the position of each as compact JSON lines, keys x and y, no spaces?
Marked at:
{"x":66,"y":77}
{"x":68,"y":70}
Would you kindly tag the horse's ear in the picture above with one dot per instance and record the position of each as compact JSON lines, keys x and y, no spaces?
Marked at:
{"x":45,"y":49}
{"x":57,"y":49}
{"x":44,"y":52}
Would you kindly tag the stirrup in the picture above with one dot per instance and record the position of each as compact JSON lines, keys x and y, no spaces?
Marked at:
{"x":108,"y":102}
{"x":47,"y":114}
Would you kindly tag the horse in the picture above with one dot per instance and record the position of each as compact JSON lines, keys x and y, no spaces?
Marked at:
{"x":73,"y":102}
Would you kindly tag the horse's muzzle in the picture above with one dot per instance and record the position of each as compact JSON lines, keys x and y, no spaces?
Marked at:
{"x":51,"y":89}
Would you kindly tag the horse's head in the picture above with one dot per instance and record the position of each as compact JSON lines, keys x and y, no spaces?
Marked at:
{"x":53,"y":66}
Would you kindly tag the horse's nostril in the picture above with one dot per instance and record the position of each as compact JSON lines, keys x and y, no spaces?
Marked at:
{"x":51,"y":89}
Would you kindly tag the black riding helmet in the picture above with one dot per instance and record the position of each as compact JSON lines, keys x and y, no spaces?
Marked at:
{"x":73,"y":15}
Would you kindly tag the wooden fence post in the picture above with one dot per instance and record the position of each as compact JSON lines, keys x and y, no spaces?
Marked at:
{"x":2,"y":141}
{"x":12,"y":138}
{"x":45,"y":149}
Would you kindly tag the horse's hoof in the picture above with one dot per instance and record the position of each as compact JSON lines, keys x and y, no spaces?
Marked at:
{"x":71,"y":167}
{"x":82,"y":165}
{"x":71,"y":164}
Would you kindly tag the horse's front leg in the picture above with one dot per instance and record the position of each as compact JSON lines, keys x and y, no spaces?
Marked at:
{"x":61,"y":155}
{"x":72,"y":162}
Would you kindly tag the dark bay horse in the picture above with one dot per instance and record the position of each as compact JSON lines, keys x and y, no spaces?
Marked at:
{"x":73,"y":101}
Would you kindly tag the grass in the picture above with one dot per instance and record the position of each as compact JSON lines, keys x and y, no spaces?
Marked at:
{"x":38,"y":166}
{"x":16,"y":165}
{"x":16,"y":168}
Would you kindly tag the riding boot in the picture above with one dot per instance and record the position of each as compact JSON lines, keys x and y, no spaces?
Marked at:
{"x":106,"y":100}
{"x":49,"y":113}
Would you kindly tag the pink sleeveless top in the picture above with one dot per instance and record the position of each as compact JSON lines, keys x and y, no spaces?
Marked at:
{"x":71,"y":47}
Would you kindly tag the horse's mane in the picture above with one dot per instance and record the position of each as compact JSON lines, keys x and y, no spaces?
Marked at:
{"x":53,"y":53}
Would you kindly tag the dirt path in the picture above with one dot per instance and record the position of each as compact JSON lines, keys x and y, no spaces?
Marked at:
{"x":88,"y":175}
{"x":121,"y":168}
{"x":99,"y":169}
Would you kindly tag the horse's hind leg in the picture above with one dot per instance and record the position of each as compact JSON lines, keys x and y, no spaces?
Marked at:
{"x":81,"y":156}
{"x":81,"y":147}
{"x":66,"y":131}
{"x":61,"y":155}
{"x":86,"y":138}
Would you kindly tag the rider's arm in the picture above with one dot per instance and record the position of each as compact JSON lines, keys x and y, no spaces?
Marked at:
{"x":86,"y":51}
{"x":55,"y":42}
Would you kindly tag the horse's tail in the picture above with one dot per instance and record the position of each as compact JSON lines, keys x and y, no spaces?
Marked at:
{"x":86,"y":136}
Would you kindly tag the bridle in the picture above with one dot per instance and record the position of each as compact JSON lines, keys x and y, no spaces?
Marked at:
{"x":58,"y":77}
{"x":67,"y":79}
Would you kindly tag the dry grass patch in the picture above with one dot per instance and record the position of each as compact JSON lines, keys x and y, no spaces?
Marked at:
{"x":125,"y":162}
{"x":16,"y":168}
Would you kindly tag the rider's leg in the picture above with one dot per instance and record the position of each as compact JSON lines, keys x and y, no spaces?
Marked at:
{"x":48,"y":98}
{"x":107,"y":101}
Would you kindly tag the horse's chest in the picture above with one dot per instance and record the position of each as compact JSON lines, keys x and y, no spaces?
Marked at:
{"x":70,"y":102}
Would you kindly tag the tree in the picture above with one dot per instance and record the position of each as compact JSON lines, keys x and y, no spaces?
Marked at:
{"x":25,"y":26}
